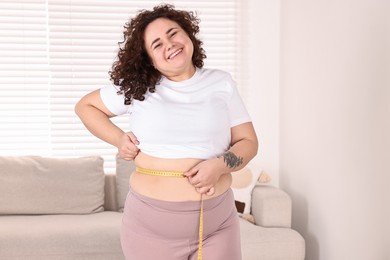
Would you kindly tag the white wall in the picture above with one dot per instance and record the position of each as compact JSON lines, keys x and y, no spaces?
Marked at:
{"x":259,"y":50}
{"x":335,"y":125}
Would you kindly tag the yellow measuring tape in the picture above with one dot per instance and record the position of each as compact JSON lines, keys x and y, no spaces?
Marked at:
{"x":179,"y":174}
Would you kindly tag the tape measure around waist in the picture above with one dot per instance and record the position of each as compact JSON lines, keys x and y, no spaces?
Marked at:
{"x":159,"y":173}
{"x":179,"y":174}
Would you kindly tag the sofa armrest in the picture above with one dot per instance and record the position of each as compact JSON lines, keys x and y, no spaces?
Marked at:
{"x":271,"y":207}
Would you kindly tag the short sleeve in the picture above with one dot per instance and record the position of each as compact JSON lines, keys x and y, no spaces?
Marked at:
{"x":114,"y":101}
{"x":238,"y":113}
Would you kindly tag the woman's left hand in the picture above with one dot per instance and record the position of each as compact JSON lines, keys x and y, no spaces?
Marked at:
{"x":205,"y":175}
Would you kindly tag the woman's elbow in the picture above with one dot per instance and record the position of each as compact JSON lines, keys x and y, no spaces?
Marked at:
{"x":255,"y":144}
{"x":255,"y":147}
{"x":78,"y":108}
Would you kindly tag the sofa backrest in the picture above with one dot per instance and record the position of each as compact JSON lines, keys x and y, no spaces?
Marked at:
{"x":124,"y":169}
{"x":43,"y":185}
{"x":117,"y":185}
{"x":110,"y":192}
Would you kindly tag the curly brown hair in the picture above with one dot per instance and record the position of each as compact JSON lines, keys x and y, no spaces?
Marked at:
{"x":133,"y":70}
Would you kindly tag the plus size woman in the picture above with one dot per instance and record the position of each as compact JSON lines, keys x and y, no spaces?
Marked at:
{"x":189,"y":129}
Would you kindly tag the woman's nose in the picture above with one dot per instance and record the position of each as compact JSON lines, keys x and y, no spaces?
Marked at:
{"x":170,"y":45}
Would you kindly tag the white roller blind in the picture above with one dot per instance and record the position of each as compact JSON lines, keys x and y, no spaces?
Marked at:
{"x":55,"y":51}
{"x":24,"y":78}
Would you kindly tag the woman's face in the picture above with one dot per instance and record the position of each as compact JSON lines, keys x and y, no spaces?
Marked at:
{"x":170,"y":49}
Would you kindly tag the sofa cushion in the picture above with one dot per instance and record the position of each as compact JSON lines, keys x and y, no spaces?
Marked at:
{"x":61,"y":237}
{"x":270,"y":243}
{"x":123,"y":171}
{"x":43,"y":185}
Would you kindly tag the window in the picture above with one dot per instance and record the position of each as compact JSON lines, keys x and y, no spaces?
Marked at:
{"x":55,"y":51}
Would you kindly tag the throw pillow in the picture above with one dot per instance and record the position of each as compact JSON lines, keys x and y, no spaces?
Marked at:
{"x":43,"y":185}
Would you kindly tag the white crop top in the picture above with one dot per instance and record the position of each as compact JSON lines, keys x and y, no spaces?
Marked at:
{"x":186,"y":119}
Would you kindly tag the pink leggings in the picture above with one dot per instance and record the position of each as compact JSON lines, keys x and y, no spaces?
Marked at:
{"x":154,"y":229}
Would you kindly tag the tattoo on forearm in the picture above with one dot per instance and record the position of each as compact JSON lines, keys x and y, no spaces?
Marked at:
{"x":232,"y":160}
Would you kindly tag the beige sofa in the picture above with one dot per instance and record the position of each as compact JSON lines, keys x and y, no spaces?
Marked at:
{"x":69,"y":209}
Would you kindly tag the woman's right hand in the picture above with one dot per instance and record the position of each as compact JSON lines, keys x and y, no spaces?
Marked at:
{"x":127,"y":148}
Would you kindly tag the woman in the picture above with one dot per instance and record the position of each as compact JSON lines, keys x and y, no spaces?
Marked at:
{"x":189,"y":131}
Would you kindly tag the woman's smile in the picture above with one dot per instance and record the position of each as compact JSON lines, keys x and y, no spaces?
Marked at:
{"x":175,"y":53}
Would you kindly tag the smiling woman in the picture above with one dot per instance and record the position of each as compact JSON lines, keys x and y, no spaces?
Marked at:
{"x":170,"y":52}
{"x":53,"y":52}
{"x":189,"y":131}
{"x":154,"y":38}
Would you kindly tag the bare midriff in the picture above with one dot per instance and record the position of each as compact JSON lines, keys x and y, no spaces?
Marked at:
{"x":171,"y":188}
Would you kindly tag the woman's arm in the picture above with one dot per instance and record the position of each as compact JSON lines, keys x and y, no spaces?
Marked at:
{"x":96,"y":118}
{"x":244,"y":146}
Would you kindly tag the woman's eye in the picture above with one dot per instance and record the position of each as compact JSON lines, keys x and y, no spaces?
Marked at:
{"x":157,"y":45}
{"x":173,"y":34}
